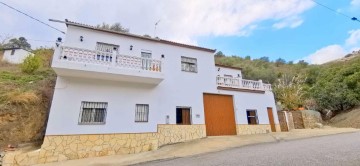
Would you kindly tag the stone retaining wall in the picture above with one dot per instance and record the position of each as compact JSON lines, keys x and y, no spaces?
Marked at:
{"x":244,"y":129}
{"x":69,"y":147}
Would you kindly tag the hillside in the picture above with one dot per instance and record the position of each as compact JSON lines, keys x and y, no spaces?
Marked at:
{"x":349,"y":118}
{"x":24,"y":101}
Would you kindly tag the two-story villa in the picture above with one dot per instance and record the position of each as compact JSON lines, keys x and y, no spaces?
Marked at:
{"x":120,"y":93}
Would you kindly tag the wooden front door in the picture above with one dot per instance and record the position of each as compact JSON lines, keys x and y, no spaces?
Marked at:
{"x":219,"y":115}
{"x":271,"y":119}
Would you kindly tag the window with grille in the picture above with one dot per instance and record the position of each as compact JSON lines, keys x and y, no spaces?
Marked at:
{"x":93,"y":112}
{"x":188,"y":64}
{"x":252,"y":117}
{"x":142,"y":113}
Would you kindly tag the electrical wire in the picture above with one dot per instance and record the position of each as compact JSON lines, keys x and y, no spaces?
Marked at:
{"x":31,"y":17}
{"x":333,"y":10}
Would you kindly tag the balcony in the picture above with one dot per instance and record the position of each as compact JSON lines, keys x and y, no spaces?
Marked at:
{"x":77,"y":62}
{"x":239,"y":84}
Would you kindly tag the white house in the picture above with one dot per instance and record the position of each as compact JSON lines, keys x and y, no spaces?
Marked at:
{"x":120,"y":93}
{"x":15,"y":55}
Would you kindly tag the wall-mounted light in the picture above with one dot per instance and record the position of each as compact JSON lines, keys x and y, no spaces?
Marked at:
{"x":131,"y":47}
{"x":81,"y":38}
{"x":162,"y":56}
{"x":58,"y":41}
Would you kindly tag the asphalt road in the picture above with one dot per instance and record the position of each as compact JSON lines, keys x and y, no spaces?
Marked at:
{"x":334,"y":150}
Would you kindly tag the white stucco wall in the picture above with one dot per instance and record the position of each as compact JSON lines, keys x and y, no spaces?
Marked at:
{"x":178,"y":88}
{"x":221,"y":71}
{"x":18,"y":57}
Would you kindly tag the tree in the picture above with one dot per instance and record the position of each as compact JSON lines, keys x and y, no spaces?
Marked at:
{"x":289,"y":91}
{"x":291,"y":62}
{"x":20,"y":42}
{"x":114,"y":27}
{"x":265,"y":59}
{"x":248,"y":57}
{"x":279,"y":62}
{"x":219,"y":54}
{"x":3,"y":39}
{"x":302,"y":63}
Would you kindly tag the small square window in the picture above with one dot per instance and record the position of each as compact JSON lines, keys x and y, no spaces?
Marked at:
{"x":252,"y":117}
{"x":93,"y":113}
{"x":189,"y":64}
{"x":142,"y":113}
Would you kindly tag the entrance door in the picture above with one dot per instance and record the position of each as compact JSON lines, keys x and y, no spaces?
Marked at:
{"x":183,"y":116}
{"x":271,"y":119}
{"x":219,"y":115}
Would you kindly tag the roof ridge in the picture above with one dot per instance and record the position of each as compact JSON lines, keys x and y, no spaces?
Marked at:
{"x":67,"y":22}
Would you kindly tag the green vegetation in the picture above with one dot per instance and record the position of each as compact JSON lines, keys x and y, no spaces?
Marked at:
{"x":31,"y":63}
{"x":334,"y":86}
{"x":20,"y":42}
{"x":25,"y":99}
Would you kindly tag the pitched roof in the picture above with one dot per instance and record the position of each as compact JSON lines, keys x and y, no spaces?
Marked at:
{"x":67,"y":22}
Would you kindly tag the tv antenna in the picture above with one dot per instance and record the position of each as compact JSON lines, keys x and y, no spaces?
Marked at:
{"x":155,"y":27}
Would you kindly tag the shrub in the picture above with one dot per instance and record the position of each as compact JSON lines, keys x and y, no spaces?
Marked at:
{"x":31,"y":64}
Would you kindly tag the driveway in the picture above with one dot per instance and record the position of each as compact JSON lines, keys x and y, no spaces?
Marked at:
{"x":340,"y":149}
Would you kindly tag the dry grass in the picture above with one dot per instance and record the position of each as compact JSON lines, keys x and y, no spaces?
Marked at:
{"x":18,"y":97}
{"x":25,"y":100}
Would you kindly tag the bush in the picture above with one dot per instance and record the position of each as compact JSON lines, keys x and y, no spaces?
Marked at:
{"x":31,"y":64}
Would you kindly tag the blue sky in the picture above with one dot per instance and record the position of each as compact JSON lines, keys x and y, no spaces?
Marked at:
{"x":288,"y":29}
{"x":320,"y":28}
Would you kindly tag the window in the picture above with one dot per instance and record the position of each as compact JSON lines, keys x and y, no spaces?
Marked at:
{"x":104,"y":47}
{"x":142,"y":113}
{"x":12,"y":51}
{"x":188,"y":64}
{"x":93,"y":112}
{"x":183,"y":116}
{"x":252,"y":117}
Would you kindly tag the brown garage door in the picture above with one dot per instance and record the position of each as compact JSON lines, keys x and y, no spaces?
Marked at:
{"x":219,"y":115}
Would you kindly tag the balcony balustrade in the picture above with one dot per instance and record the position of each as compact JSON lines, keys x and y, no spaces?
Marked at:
{"x":239,"y":83}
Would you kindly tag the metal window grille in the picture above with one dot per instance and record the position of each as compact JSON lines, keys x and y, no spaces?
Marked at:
{"x":142,"y":113}
{"x":252,"y":117}
{"x":188,"y":64}
{"x":93,"y":112}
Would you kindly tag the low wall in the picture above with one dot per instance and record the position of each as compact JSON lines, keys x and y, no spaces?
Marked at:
{"x":69,"y":147}
{"x":310,"y":118}
{"x":244,"y":129}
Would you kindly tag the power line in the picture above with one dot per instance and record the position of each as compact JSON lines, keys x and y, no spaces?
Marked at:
{"x":31,"y":17}
{"x":333,"y":10}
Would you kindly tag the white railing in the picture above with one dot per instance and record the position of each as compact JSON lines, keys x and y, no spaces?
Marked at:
{"x":242,"y":83}
{"x":79,"y":55}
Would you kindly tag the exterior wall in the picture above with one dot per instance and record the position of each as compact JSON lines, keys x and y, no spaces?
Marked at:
{"x":178,"y":88}
{"x":255,"y":129}
{"x":221,"y":71}
{"x":253,"y":101}
{"x":18,"y":57}
{"x":68,"y":147}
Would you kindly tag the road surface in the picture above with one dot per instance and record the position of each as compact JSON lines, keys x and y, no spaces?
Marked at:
{"x":334,"y":150}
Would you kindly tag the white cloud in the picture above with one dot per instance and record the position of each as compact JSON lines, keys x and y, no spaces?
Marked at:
{"x":355,"y":3}
{"x":181,"y":20}
{"x":336,"y":51}
{"x":291,"y":22}
{"x":354,"y":38}
{"x":326,"y":54}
